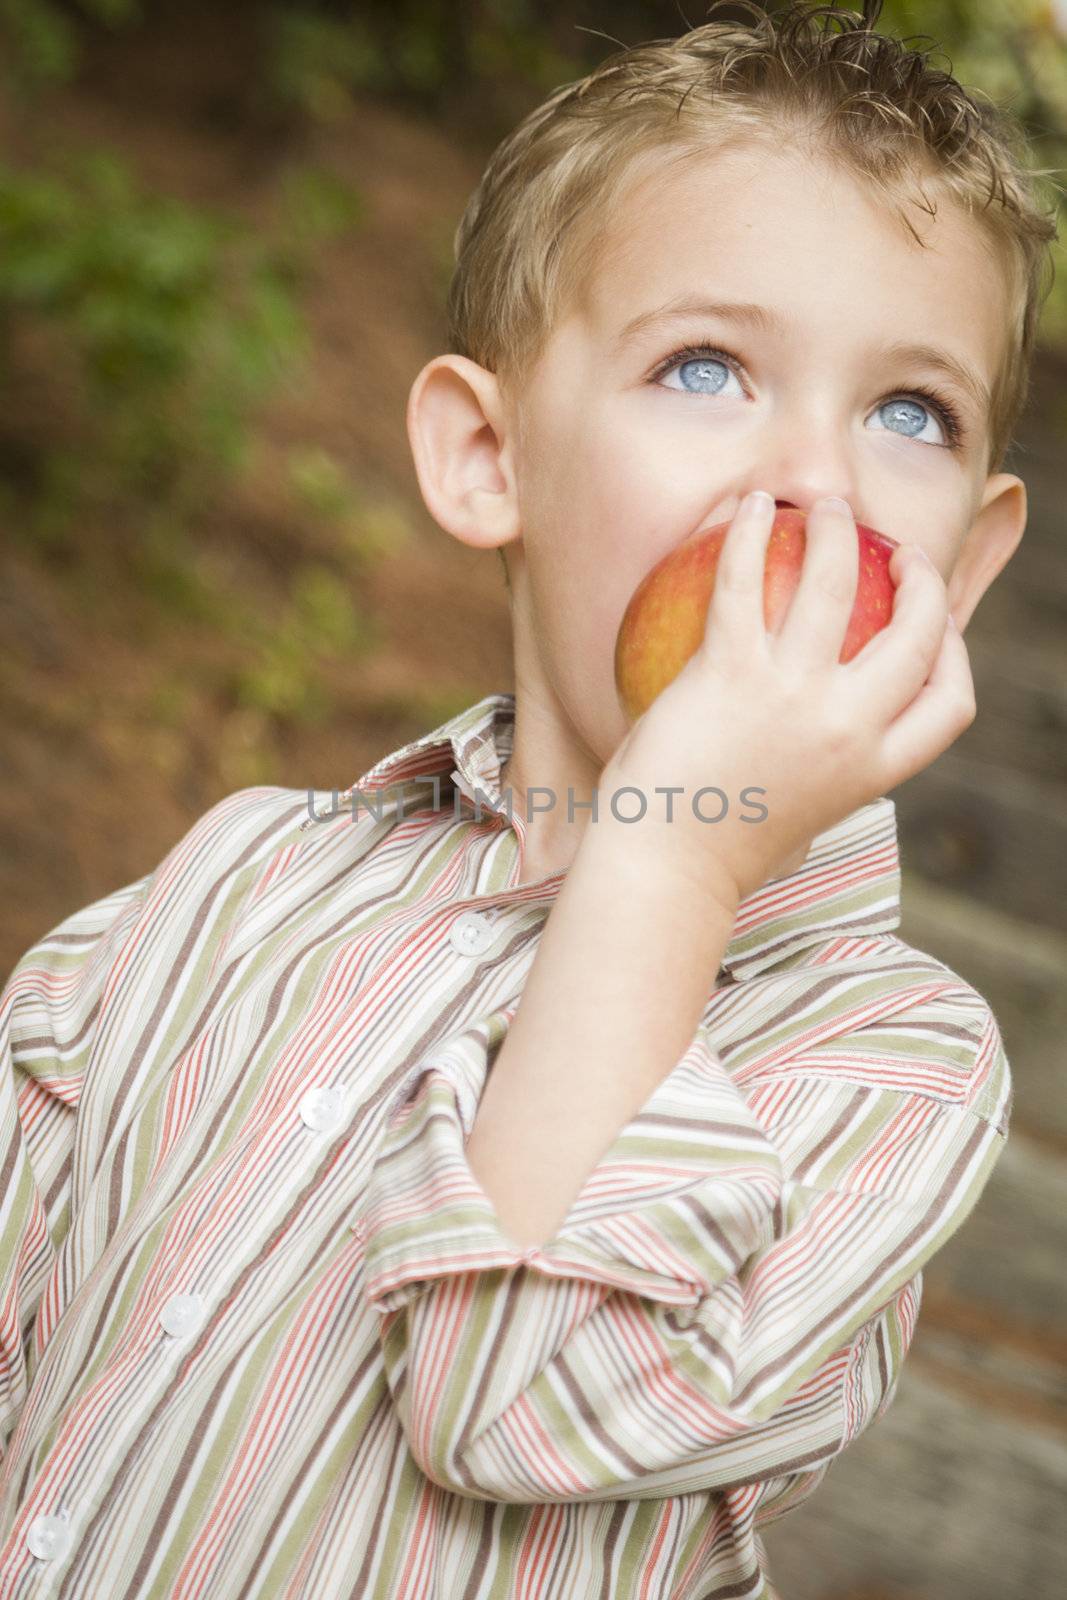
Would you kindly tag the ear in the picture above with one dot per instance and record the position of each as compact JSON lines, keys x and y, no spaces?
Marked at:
{"x":463,"y":453}
{"x":989,"y":544}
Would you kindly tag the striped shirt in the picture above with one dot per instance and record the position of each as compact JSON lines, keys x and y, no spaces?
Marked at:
{"x":261,"y":1333}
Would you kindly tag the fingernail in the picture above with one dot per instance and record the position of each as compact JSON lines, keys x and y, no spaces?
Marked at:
{"x":758,"y":500}
{"x":834,"y":502}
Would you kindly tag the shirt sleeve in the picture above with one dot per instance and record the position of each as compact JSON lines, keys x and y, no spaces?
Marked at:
{"x":48,"y":1013}
{"x":733,"y":1291}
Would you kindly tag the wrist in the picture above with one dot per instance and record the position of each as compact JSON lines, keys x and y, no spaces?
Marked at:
{"x":656,"y":859}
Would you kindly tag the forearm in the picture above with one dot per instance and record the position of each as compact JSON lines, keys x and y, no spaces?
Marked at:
{"x":622,"y":974}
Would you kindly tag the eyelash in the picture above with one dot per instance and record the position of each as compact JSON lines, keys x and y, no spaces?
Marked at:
{"x":939,"y":403}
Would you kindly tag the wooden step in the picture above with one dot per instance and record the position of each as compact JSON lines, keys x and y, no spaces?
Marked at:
{"x":989,"y":830}
{"x":1020,"y":969}
{"x":943,"y":1499}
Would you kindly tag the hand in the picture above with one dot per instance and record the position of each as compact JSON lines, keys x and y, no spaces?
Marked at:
{"x":780,"y":713}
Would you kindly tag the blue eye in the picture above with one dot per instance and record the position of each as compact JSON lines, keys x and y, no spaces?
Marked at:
{"x":705,"y":370}
{"x":904,"y":411}
{"x":909,"y":414}
{"x":705,"y":374}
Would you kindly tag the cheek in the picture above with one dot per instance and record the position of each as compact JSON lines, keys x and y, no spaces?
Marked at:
{"x":611,"y":444}
{"x":579,"y":586}
{"x":593,"y":509}
{"x":606,"y":492}
{"x":938,"y":526}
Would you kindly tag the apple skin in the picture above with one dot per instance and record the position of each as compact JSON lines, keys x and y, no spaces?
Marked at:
{"x":665,"y":619}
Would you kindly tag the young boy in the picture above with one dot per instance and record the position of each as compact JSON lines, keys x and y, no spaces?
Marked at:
{"x":461,"y":1192}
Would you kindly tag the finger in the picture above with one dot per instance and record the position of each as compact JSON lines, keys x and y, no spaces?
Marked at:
{"x":815,"y":625}
{"x":735,"y":613}
{"x":893,"y":666}
{"x":944,"y":707}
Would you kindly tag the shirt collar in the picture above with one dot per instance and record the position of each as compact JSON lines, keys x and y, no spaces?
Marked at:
{"x":848,"y":885}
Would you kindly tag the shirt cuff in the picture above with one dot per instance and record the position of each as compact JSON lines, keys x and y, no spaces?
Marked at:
{"x":689,"y":1189}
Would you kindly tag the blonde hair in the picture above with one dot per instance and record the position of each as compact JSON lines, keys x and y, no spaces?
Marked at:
{"x":528,"y":237}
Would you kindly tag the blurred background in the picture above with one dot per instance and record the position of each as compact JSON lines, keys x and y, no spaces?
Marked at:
{"x":225,"y":242}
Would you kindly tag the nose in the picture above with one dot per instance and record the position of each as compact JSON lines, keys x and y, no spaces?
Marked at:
{"x":799,"y":478}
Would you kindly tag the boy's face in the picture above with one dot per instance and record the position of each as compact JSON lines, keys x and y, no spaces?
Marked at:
{"x":621,"y":455}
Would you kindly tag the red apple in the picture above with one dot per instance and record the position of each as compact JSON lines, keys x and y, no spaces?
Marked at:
{"x":665,"y":619}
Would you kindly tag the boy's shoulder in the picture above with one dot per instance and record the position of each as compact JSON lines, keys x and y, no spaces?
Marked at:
{"x":233,"y":839}
{"x":236,"y":824}
{"x":872,"y":1010}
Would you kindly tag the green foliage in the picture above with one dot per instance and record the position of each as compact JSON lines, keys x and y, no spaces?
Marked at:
{"x":43,"y":40}
{"x":41,"y":45}
{"x":160,"y":326}
{"x":320,"y":623}
{"x":168,"y":322}
{"x":168,"y":571}
{"x":320,"y":481}
{"x":366,"y":527}
{"x":511,"y":43}
{"x":314,"y":63}
{"x":177,"y":320}
{"x":319,"y":207}
{"x":174,"y":319}
{"x":422,"y":50}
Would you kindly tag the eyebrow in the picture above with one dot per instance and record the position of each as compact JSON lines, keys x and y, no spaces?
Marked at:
{"x":764,"y":320}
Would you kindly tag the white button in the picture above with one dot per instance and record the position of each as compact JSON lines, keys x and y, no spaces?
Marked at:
{"x":359,"y":1227}
{"x":471,"y":933}
{"x":49,"y":1537}
{"x":182,"y":1314}
{"x":321,"y":1108}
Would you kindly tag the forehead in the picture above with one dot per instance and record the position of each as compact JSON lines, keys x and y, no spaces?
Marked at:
{"x":803,"y":236}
